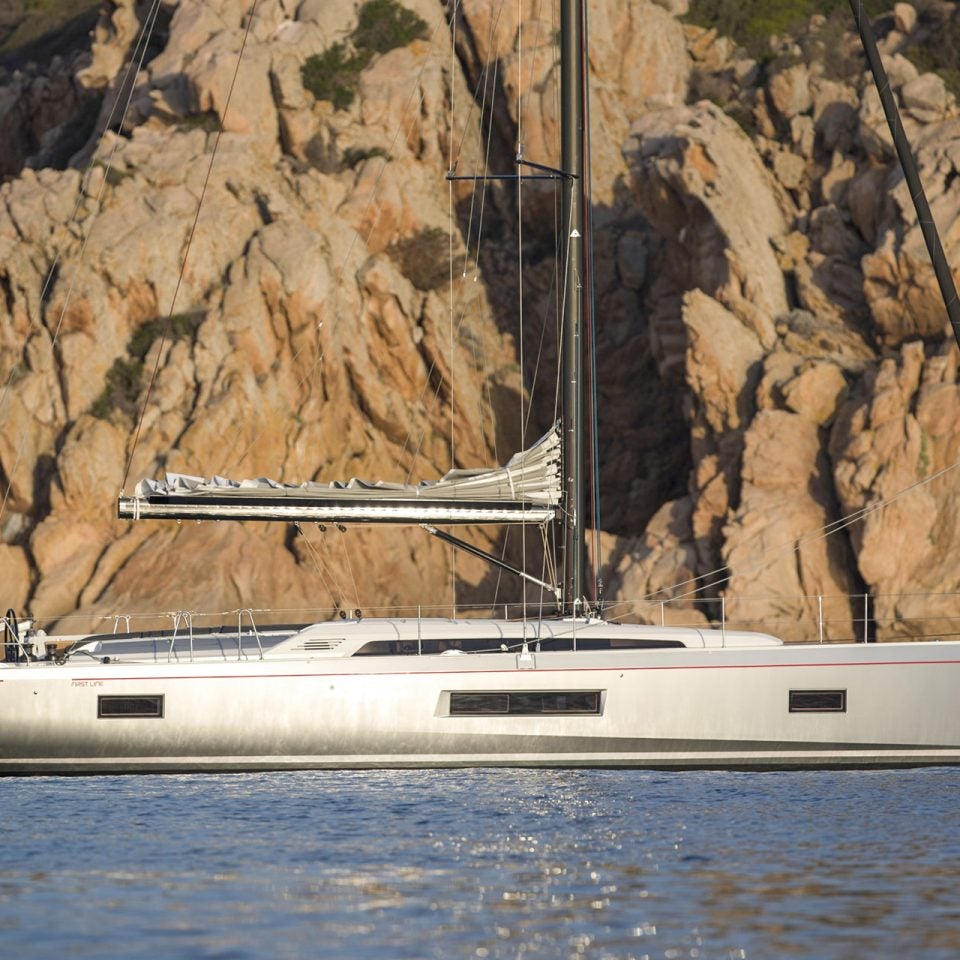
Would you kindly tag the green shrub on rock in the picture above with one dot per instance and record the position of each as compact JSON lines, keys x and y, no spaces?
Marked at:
{"x":752,"y":22}
{"x":424,"y":258}
{"x":382,"y":25}
{"x":333,"y":75}
{"x":124,"y":380}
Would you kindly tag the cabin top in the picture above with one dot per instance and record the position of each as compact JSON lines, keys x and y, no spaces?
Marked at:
{"x":390,"y":636}
{"x":384,"y":637}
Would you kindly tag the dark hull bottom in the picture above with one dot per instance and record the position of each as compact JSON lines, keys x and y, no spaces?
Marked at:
{"x":801,"y":761}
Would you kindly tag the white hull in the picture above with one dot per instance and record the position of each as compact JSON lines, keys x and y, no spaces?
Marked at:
{"x":685,"y":707}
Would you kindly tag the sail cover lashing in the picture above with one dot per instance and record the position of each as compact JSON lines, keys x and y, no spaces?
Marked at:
{"x":526,"y":490}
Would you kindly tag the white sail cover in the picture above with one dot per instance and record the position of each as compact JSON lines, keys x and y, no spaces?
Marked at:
{"x":526,"y":490}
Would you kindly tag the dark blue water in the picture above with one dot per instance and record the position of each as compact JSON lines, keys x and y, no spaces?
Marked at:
{"x":458,"y":864}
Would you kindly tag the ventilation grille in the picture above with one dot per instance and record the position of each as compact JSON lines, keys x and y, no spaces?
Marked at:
{"x":319,"y":645}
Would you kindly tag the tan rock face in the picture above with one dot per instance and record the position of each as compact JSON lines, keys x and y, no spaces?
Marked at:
{"x":723,"y":359}
{"x":773,"y":547}
{"x":638,"y":58}
{"x":899,"y":433}
{"x":900,"y":285}
{"x":789,"y":91}
{"x":652,"y":576}
{"x":925,"y":97}
{"x":34,"y":106}
{"x":815,"y":392}
{"x":904,"y":17}
{"x":297,"y":349}
{"x":701,"y":183}
{"x":809,"y":425}
{"x":112,"y":39}
{"x":642,"y":452}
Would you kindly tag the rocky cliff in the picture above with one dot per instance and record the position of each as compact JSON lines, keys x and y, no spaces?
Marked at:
{"x":773,"y":354}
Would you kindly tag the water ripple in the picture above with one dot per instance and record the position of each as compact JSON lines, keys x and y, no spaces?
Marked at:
{"x":482,"y":864}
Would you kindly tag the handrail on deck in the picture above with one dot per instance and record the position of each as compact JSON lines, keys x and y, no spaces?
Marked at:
{"x":863,"y":621}
{"x":822,"y":618}
{"x":253,"y":627}
{"x":12,"y":641}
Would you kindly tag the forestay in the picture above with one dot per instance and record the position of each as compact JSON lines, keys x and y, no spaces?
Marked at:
{"x":526,"y":490}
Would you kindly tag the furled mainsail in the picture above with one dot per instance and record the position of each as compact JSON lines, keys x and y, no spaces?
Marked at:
{"x":526,"y":490}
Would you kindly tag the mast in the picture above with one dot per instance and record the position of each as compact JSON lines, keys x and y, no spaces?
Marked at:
{"x":573,"y":82}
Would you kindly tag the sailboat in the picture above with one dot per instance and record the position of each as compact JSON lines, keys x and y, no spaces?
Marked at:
{"x":565,"y":690}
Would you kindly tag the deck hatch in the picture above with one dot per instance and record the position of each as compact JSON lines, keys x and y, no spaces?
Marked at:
{"x":524,"y":703}
{"x":114,"y":706}
{"x":818,"y":701}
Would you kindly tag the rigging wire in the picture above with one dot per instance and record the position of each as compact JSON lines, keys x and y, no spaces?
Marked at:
{"x":319,"y":564}
{"x":522,"y":95}
{"x":792,"y":546}
{"x":453,"y":449}
{"x":484,"y":72}
{"x":496,"y":585}
{"x":520,"y":338}
{"x":546,"y":565}
{"x":330,"y":566}
{"x":519,"y":79}
{"x":454,"y":19}
{"x":486,"y":167}
{"x":436,"y":397}
{"x":407,"y":115}
{"x":454,"y":163}
{"x":450,"y":222}
{"x":522,"y":102}
{"x":346,"y":553}
{"x":486,"y":82}
{"x":538,"y":46}
{"x":141,"y":46}
{"x":550,"y":303}
{"x":479,"y":185}
{"x":591,"y":311}
{"x":186,"y":253}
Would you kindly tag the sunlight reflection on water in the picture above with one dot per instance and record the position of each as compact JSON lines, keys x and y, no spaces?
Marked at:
{"x":486,"y":863}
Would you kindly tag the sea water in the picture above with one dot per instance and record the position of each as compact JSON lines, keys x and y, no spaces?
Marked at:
{"x":483,"y":863}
